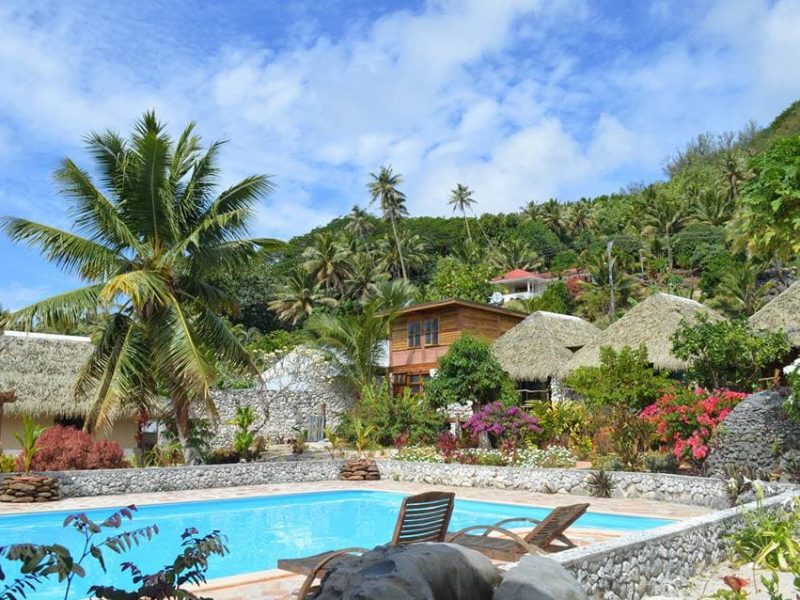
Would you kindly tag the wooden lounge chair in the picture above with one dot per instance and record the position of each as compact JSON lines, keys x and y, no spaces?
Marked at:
{"x":422,"y":518}
{"x":509,"y":546}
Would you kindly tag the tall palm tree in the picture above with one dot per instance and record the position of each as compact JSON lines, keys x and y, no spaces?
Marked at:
{"x":298,"y":297}
{"x":663,"y":216}
{"x":145,"y":242}
{"x":552,"y":215}
{"x":353,"y":343}
{"x":531,"y":211}
{"x":361,"y":275}
{"x":326,"y":259}
{"x":712,"y":208}
{"x":461,"y":199}
{"x":579,"y":217}
{"x":514,"y":253}
{"x":383,"y":189}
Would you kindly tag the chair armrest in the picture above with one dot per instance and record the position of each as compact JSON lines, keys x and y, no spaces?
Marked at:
{"x":529,"y":548}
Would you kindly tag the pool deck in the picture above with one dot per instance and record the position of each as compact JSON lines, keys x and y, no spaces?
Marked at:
{"x":279,"y":585}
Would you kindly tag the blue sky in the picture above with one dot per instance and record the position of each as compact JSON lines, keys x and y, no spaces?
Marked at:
{"x":519,"y":99}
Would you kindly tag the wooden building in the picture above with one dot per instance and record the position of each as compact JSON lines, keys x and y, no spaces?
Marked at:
{"x":421,"y":335}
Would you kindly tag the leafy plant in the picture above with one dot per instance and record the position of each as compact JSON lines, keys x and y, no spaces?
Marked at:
{"x":28,"y":441}
{"x":335,"y":441}
{"x":553,"y":457}
{"x":660,"y":462}
{"x":66,"y":448}
{"x":299,"y":441}
{"x":600,"y":483}
{"x":166,"y":453}
{"x":7,"y":463}
{"x":244,"y":436}
{"x":727,"y":354}
{"x":769,"y":538}
{"x":363,"y":434}
{"x":507,"y":426}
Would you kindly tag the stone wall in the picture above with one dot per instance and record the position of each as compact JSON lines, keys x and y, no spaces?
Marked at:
{"x":163,"y":479}
{"x":681,"y":489}
{"x":660,"y":561}
{"x":277,"y":411}
{"x":757,"y":433}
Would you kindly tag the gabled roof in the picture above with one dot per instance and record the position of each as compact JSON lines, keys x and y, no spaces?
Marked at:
{"x":522,"y":275}
{"x":652,"y":323}
{"x":515,"y":274}
{"x":427,"y":306}
{"x":540,"y":346}
{"x":782,"y":313}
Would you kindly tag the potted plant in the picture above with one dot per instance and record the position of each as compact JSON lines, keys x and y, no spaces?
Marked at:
{"x":361,"y":468}
{"x":27,"y":487}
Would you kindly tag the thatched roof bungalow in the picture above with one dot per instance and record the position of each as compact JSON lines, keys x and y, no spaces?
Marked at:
{"x":652,"y":323}
{"x":41,"y":370}
{"x":782,"y":313}
{"x":539,"y":347}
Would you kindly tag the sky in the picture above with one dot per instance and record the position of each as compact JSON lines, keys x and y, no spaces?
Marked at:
{"x":519,"y":99}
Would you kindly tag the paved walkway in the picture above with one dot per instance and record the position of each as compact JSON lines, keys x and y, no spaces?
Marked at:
{"x":275,"y":584}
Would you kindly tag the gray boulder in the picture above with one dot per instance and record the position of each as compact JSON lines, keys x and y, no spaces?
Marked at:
{"x":539,"y":578}
{"x":757,"y":434}
{"x":413,"y":572}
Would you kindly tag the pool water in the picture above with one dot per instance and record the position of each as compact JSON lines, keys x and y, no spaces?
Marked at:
{"x":260,"y":530}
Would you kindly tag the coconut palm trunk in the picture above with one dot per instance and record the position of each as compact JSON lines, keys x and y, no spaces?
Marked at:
{"x":399,"y":249}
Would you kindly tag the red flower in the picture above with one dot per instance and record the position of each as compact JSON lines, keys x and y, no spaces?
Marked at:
{"x":737,"y":584}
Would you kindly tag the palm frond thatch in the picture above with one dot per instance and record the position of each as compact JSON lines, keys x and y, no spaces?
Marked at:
{"x":540,"y":346}
{"x":781,"y":313}
{"x":652,"y":323}
{"x":42,"y":370}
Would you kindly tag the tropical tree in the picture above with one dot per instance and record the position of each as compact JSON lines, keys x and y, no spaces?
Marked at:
{"x":712,"y":208}
{"x":298,"y":297}
{"x":767,"y":223}
{"x":361,"y":275}
{"x":551,"y":214}
{"x":353,"y":343}
{"x":663,"y":215}
{"x":733,"y":171}
{"x":530,"y":211}
{"x":392,"y":295}
{"x":359,"y":224}
{"x":401,"y":256}
{"x":326,"y":260}
{"x":383,"y":189}
{"x":514,"y":253}
{"x":579,"y":217}
{"x":455,"y":279}
{"x":739,"y":291}
{"x":145,"y":242}
{"x":461,"y":199}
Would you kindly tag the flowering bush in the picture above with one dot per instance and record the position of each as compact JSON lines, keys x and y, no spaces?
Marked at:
{"x":447,"y":445}
{"x":509,"y":425}
{"x":685,"y":421}
{"x":554,"y":457}
{"x":479,"y":456}
{"x":67,"y":448}
{"x":419,"y":454}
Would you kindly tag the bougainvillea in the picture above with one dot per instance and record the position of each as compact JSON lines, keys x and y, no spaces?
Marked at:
{"x":508,"y":426}
{"x":686,"y":420}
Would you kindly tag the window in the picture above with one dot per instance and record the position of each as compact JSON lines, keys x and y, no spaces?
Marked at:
{"x":415,"y":383}
{"x":414,"y":334}
{"x":432,"y":331}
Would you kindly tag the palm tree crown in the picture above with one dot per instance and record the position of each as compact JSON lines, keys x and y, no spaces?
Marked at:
{"x":461,"y":199}
{"x":145,"y":243}
{"x":383,"y":188}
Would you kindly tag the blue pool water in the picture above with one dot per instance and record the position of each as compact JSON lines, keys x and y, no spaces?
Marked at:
{"x":263,"y":529}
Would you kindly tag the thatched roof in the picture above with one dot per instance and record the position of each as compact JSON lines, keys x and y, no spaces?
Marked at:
{"x":652,"y":323}
{"x":42,"y":369}
{"x":781,"y":313}
{"x":541,"y":345}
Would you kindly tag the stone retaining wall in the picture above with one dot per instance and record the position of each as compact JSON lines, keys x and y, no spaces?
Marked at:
{"x":680,"y":489}
{"x":660,"y":561}
{"x":164,"y":479}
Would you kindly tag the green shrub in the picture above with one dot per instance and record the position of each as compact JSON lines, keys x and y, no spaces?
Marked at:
{"x":608,"y":462}
{"x":223,"y":456}
{"x":769,"y":538}
{"x":660,"y":462}
{"x":419,"y":454}
{"x":7,"y":463}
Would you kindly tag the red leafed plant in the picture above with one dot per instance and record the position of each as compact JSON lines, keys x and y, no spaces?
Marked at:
{"x":685,"y":420}
{"x":66,"y":448}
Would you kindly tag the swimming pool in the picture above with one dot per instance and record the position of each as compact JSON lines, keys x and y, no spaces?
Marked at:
{"x":261,"y":530}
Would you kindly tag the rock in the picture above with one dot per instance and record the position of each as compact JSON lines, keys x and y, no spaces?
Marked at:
{"x":539,"y":578}
{"x":413,"y":572}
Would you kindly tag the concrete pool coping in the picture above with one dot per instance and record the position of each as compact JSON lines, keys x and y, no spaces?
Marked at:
{"x":277,"y":584}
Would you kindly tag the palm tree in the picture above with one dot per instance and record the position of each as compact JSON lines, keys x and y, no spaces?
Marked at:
{"x":712,"y":208}
{"x":408,"y":251}
{"x":551,"y":214}
{"x":514,"y":253}
{"x":531,"y":211}
{"x":733,"y":171}
{"x":359,"y":224}
{"x":298,"y":297}
{"x":663,"y":216}
{"x":361,"y":275}
{"x":461,"y":199}
{"x":146,"y":243}
{"x":579,"y":217}
{"x":739,"y":291}
{"x":392,"y":295}
{"x":383,"y":188}
{"x":353,"y":343}
{"x":326,"y":259}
